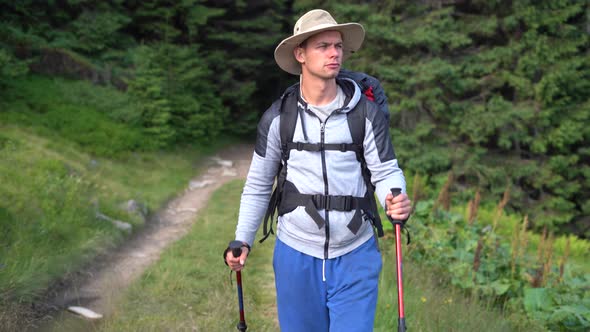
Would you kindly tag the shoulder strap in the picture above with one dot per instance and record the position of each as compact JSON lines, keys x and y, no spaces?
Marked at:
{"x":356,"y":123}
{"x":288,"y":121}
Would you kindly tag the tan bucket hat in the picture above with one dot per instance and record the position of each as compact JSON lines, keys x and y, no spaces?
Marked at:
{"x":311,"y":23}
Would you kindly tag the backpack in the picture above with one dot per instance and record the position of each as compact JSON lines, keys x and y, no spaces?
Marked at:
{"x":370,"y":87}
{"x":372,"y":90}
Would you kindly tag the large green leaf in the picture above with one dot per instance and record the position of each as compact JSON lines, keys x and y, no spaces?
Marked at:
{"x":536,"y":299}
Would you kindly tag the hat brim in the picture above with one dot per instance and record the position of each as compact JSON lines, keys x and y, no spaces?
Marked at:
{"x":353,"y":35}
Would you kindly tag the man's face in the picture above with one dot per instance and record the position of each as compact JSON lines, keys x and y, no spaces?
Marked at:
{"x":321,"y":56}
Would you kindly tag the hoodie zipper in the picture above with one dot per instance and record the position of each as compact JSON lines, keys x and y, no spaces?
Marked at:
{"x":325,"y":175}
{"x":326,"y":188}
{"x":326,"y":191}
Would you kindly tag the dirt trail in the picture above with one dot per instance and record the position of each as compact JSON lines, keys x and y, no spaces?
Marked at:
{"x":98,"y":287}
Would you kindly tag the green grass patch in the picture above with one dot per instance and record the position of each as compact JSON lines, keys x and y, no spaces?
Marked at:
{"x":189,"y":289}
{"x":69,"y":149}
{"x":51,"y":192}
{"x":432,"y":304}
{"x":99,"y":120}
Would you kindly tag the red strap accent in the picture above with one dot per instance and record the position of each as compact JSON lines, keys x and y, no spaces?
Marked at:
{"x":369,"y":94}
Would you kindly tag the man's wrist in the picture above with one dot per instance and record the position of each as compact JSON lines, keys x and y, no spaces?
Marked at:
{"x":246,"y":245}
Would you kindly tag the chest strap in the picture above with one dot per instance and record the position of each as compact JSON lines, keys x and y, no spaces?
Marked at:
{"x":315,"y":147}
{"x":313,"y":203}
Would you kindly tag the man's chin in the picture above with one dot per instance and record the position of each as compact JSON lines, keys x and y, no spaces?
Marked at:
{"x":332,"y":74}
{"x":327,"y":74}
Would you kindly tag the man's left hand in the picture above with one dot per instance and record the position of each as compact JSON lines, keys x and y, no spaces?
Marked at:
{"x":398,"y":207}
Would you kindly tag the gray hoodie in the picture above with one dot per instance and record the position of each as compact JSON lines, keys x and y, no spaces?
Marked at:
{"x":339,"y":173}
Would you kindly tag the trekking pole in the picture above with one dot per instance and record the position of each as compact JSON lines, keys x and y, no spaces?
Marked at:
{"x":401,"y":322}
{"x":236,"y":250}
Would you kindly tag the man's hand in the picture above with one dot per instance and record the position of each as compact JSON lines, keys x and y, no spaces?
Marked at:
{"x":398,"y":207}
{"x":237,"y":263}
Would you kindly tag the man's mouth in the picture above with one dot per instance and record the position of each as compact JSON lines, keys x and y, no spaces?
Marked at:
{"x":333,"y":65}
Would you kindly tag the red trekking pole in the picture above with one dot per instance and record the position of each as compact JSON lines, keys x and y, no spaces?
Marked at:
{"x":398,"y":224}
{"x":236,"y":250}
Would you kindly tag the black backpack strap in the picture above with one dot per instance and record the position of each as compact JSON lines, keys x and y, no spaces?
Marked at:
{"x":288,"y":121}
{"x":313,"y":203}
{"x":356,"y":123}
{"x":343,"y":147}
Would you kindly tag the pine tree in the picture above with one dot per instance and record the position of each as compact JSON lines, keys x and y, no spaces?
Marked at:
{"x":489,"y":89}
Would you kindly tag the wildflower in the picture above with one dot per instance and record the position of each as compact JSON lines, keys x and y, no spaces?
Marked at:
{"x":423,"y":299}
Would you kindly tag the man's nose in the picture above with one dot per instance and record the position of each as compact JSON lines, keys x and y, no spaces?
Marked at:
{"x":334,"y":51}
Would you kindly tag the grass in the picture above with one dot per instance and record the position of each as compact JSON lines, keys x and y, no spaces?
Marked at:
{"x":55,"y":174}
{"x":48,"y":200}
{"x":431,"y":304}
{"x":44,"y":106}
{"x":189,"y":289}
{"x":52,"y":184}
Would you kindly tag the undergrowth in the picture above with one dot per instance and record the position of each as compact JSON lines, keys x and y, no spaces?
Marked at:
{"x":61,"y":166}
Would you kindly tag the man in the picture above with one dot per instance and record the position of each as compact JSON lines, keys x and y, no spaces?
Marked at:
{"x":326,"y":259}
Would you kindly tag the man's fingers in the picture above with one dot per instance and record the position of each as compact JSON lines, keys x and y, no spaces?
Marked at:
{"x":400,"y":198}
{"x":243,"y":256}
{"x":235,"y":264}
{"x":400,"y":208}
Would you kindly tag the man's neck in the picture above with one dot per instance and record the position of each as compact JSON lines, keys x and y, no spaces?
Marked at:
{"x":318,"y":91}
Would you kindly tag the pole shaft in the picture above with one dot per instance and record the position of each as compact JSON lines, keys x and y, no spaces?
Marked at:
{"x":398,"y":258}
{"x":240,"y":296}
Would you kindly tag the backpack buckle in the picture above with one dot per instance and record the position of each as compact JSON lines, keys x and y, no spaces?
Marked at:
{"x":343,"y":147}
{"x":321,"y":202}
{"x":285,"y":151}
{"x":347,"y":203}
{"x":299,"y":146}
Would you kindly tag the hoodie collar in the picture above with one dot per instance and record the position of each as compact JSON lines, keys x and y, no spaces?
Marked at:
{"x":349,"y":87}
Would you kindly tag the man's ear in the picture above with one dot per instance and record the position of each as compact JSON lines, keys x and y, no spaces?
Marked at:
{"x":298,"y":53}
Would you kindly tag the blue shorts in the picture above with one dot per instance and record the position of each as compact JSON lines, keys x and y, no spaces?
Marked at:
{"x":345,"y":301}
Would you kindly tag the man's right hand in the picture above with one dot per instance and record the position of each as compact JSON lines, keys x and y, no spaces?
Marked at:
{"x":237,"y":263}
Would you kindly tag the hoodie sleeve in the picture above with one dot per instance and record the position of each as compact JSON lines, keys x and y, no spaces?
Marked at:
{"x":380,"y":156}
{"x":260,"y":179}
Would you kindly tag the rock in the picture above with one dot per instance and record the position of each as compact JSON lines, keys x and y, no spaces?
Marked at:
{"x":94,"y":163}
{"x":222,"y":163}
{"x":192,"y":210}
{"x":85,"y":312}
{"x":125,"y":226}
{"x":133,"y":206}
{"x":229,"y":172}
{"x":117,"y":223}
{"x":199,"y":184}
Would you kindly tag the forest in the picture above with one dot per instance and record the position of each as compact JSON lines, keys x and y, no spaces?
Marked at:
{"x":494,"y":92}
{"x":489,"y":100}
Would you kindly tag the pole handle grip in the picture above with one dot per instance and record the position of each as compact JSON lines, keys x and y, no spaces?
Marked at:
{"x":236,"y":248}
{"x":395,"y":192}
